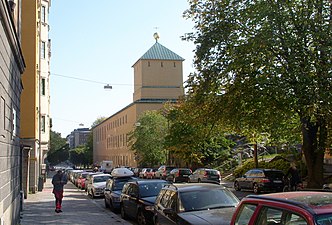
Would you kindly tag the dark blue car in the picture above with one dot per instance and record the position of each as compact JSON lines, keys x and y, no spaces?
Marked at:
{"x":113,"y":190}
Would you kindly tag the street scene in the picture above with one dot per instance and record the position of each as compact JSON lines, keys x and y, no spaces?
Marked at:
{"x":154,"y":112}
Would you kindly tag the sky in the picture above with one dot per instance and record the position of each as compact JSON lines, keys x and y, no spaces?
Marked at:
{"x":95,"y":43}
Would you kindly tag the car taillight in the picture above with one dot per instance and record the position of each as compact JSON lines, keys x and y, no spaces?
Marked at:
{"x":265,"y":180}
{"x":178,"y":173}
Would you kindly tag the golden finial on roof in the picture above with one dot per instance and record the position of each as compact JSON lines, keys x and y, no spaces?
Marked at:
{"x":156,"y":36}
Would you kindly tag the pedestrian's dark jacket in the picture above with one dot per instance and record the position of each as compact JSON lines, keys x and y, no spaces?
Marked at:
{"x":58,"y":181}
{"x":295,"y":176}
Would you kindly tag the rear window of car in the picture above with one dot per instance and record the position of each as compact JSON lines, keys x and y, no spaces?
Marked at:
{"x":185,"y":172}
{"x":274,"y":174}
{"x":212,"y":172}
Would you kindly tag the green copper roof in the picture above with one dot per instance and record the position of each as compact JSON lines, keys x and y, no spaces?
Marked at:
{"x":159,"y":52}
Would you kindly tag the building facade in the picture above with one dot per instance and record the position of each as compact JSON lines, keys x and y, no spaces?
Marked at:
{"x":35,"y":104}
{"x":158,"y":78}
{"x":11,"y":68}
{"x":78,"y":137}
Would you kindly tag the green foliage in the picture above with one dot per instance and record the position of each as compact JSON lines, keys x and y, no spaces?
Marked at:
{"x":195,"y":138}
{"x":148,"y":138}
{"x":58,"y":149}
{"x":263,"y":67}
{"x":278,"y":162}
{"x":99,"y":120}
{"x":79,"y":157}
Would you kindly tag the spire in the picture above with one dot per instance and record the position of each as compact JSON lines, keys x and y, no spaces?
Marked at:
{"x":156,"y":36}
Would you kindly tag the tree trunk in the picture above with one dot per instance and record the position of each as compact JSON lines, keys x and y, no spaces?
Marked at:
{"x":255,"y":155}
{"x":314,"y":141}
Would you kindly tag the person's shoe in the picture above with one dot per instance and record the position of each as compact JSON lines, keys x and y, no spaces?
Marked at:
{"x":57,"y":210}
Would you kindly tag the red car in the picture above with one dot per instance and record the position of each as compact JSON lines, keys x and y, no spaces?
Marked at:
{"x":81,"y":180}
{"x":286,"y":208}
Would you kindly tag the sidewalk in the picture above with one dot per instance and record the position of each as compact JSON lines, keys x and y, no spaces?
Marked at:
{"x":77,"y":208}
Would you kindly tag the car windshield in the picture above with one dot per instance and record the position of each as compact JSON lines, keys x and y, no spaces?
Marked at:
{"x":150,"y":189}
{"x":207,"y":199}
{"x":100,"y":179}
{"x":325,"y":219}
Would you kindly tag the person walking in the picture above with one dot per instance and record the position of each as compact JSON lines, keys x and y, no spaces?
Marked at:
{"x":58,"y":181}
{"x":295,"y":176}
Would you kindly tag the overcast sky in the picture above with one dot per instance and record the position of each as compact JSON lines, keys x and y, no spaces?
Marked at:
{"x":95,"y":43}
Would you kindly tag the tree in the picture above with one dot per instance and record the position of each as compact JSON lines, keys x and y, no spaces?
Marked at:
{"x":265,"y":67}
{"x":58,"y":148}
{"x":194,"y":138}
{"x":99,"y":120}
{"x":147,"y":139}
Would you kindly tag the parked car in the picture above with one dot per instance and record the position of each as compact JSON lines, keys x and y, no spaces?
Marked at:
{"x":113,"y":190}
{"x":195,"y":204}
{"x":179,"y":175}
{"x":97,"y":183}
{"x":136,"y":171}
{"x":163,"y":172}
{"x":144,"y":172}
{"x":150,"y":174}
{"x":258,"y":180}
{"x":81,"y":180}
{"x":137,"y":199}
{"x":288,"y":208}
{"x":205,"y":175}
{"x":88,"y":178}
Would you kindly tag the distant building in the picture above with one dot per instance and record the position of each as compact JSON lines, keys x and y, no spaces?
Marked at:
{"x":78,"y":137}
{"x":158,"y":78}
{"x":35,"y":103}
{"x":12,"y":66}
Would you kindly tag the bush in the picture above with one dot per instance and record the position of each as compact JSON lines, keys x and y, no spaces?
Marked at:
{"x":278,"y":163}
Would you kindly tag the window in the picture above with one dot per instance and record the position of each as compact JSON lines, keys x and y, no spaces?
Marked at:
{"x":43,"y":14}
{"x":43,"y":50}
{"x":14,"y":123}
{"x":43,"y":124}
{"x":43,"y":82}
{"x":245,"y":214}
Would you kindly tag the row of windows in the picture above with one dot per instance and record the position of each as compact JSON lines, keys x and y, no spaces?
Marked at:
{"x":101,"y":132}
{"x":117,"y":141}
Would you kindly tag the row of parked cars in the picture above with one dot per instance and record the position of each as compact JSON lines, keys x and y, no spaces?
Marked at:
{"x":174,"y":174}
{"x":159,"y":202}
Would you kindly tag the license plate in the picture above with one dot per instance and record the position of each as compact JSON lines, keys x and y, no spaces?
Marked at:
{"x":213,"y":176}
{"x":185,"y":175}
{"x":277,"y":181}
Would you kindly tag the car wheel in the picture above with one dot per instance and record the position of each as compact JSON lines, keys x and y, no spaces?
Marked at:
{"x":140,"y":218}
{"x":199,"y":180}
{"x":256,"y":188}
{"x":123,"y":213}
{"x":237,"y":186}
{"x":106,"y":204}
